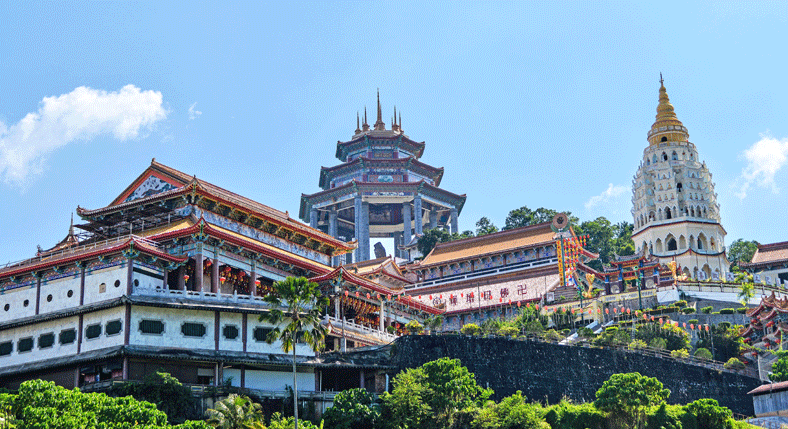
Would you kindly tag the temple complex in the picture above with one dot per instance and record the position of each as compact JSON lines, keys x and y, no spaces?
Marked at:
{"x":769,"y":264}
{"x":380,"y":190}
{"x":675,"y":210}
{"x":172,"y":275}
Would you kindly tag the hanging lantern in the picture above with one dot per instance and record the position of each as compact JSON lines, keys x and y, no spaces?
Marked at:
{"x":357,"y":294}
{"x":607,"y":311}
{"x":419,"y":297}
{"x":257,"y":282}
{"x":573,"y":311}
{"x":186,"y":277}
{"x":692,"y":326}
{"x":660,"y":321}
{"x":440,"y":296}
{"x":598,"y":311}
{"x":652,"y":318}
{"x":388,"y":297}
{"x":346,"y":293}
{"x":368,"y":296}
{"x":222,"y":279}
{"x":377,"y":296}
{"x":500,"y":299}
{"x":518,"y":304}
{"x":707,"y":328}
{"x":615,"y":310}
{"x":537,"y":307}
{"x":684,"y":325}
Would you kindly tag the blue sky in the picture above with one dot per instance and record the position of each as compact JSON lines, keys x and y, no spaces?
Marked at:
{"x":544,"y":104}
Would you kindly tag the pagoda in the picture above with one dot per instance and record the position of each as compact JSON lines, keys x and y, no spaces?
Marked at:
{"x":675,"y":210}
{"x":380,"y":189}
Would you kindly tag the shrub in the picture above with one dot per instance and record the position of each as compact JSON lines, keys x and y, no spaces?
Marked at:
{"x":508,"y":331}
{"x":680,"y":353}
{"x":709,"y":414}
{"x":742,"y":310}
{"x":727,"y":311}
{"x":706,"y":310}
{"x":666,"y":417}
{"x":352,"y":409}
{"x":693,"y":321}
{"x":414,"y":327}
{"x":637,"y":344}
{"x":688,"y":310}
{"x":611,"y":329}
{"x":703,"y":353}
{"x":552,"y":335}
{"x":680,"y":303}
{"x":658,"y":343}
{"x":585,"y":332}
{"x":734,"y":363}
{"x":565,"y":332}
{"x":391,"y":329}
{"x":724,"y":325}
{"x":470,"y":329}
{"x":568,"y":415}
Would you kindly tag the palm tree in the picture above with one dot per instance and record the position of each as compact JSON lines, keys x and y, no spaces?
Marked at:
{"x":235,"y":412}
{"x":303,"y":305}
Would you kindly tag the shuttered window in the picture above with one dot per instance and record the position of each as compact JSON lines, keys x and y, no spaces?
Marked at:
{"x":93,"y":331}
{"x":193,"y":329}
{"x":67,"y":336}
{"x":6,"y":348}
{"x":113,"y":327}
{"x":46,"y":340}
{"x":230,"y":332}
{"x":25,"y":345}
{"x":260,"y":334}
{"x":151,"y":326}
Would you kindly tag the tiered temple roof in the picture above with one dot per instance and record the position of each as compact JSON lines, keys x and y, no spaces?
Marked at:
{"x":769,"y":255}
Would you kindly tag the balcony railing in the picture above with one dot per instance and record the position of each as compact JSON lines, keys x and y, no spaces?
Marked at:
{"x":361,"y":329}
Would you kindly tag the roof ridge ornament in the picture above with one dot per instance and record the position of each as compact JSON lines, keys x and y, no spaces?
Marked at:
{"x":379,"y":124}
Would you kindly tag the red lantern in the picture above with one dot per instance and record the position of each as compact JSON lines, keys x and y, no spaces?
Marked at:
{"x":257,"y":282}
{"x":440,"y":296}
{"x":652,"y":318}
{"x":346,"y":293}
{"x":368,"y":295}
{"x":707,"y":328}
{"x":615,"y":309}
{"x":629,"y":311}
{"x":500,"y":299}
{"x":684,"y":325}
{"x":660,"y":321}
{"x":573,"y":311}
{"x":692,"y":326}
{"x":607,"y":311}
{"x":388,"y":297}
{"x":537,"y":306}
{"x":222,"y":279}
{"x":419,"y":297}
{"x":186,"y":277}
{"x":377,"y":296}
{"x":357,"y":294}
{"x":430,"y":297}
{"x":518,"y":304}
{"x":598,"y":311}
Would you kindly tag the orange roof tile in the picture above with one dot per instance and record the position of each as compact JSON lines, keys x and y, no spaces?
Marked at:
{"x":775,"y":252}
{"x":489,"y":244}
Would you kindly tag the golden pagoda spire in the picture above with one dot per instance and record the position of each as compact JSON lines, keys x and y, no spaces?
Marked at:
{"x":379,"y":124}
{"x":666,"y":127}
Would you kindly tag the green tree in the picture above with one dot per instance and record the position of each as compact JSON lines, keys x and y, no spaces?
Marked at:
{"x":280,"y":422}
{"x":432,"y":395}
{"x":725,"y":340}
{"x":303,"y":305}
{"x":524,"y":217}
{"x":780,"y":367}
{"x":353,"y":409}
{"x":432,"y":237}
{"x":627,"y":397}
{"x":746,"y":293}
{"x":741,"y":251}
{"x":43,"y":405}
{"x":710,"y":415}
{"x":512,"y":412}
{"x":235,"y":412}
{"x":164,"y":390}
{"x":484,"y":226}
{"x":675,"y":337}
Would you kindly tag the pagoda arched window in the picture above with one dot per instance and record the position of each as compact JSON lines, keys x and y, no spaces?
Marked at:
{"x":654,"y":159}
{"x":664,"y":139}
{"x":678,"y":187}
{"x":671,"y":244}
{"x":675,"y":156}
{"x":682,"y":242}
{"x":668,"y":215}
{"x":664,"y":156}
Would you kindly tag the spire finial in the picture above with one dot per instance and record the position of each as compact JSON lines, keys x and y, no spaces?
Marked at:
{"x":399,"y":120}
{"x":358,"y":127}
{"x":365,"y":125}
{"x":395,"y":115}
{"x":71,"y":228}
{"x":661,"y":81}
{"x":379,"y":124}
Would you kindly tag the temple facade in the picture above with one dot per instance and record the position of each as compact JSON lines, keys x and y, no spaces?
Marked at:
{"x":675,"y":210}
{"x":381,"y":190}
{"x":172,"y":275}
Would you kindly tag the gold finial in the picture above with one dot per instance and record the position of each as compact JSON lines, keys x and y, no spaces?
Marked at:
{"x":661,"y":81}
{"x":666,"y":127}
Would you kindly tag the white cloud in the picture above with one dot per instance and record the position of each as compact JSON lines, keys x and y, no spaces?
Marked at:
{"x":193,"y":114}
{"x":611,"y":194}
{"x":764,"y":159}
{"x":79,"y":115}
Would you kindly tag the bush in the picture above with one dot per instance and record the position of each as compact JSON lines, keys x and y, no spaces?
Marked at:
{"x":470,"y":329}
{"x":734,"y":364}
{"x":568,"y":415}
{"x":727,"y":311}
{"x":658,"y":343}
{"x":706,"y":310}
{"x":585,"y":332}
{"x":352,"y":409}
{"x":680,"y":353}
{"x":693,"y":321}
{"x":512,"y":412}
{"x":414,"y":327}
{"x":552,"y":335}
{"x":611,"y":329}
{"x":508,"y":331}
{"x":709,"y":414}
{"x":688,"y":310}
{"x":680,"y":303}
{"x":637,"y":344}
{"x":724,"y":325}
{"x":666,"y":417}
{"x":742,"y":310}
{"x":703,"y":353}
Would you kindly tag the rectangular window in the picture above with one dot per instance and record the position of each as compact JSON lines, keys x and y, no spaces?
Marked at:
{"x":67,"y":336}
{"x":93,"y":331}
{"x":230,"y":332}
{"x":113,"y":327}
{"x":6,"y":348}
{"x":260,"y":334}
{"x":25,"y":345}
{"x":46,"y":340}
{"x":151,"y":327}
{"x":193,"y":329}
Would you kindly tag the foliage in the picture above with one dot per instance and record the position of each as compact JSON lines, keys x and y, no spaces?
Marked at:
{"x":746,"y":293}
{"x":734,"y":363}
{"x":666,"y":417}
{"x":742,"y":310}
{"x":688,"y":310}
{"x":432,"y":395}
{"x":726,"y":311}
{"x":586,"y":333}
{"x":675,"y":337}
{"x":703,"y":353}
{"x":434,"y":322}
{"x":484,"y":226}
{"x":235,"y":412}
{"x":303,"y":305}
{"x":43,"y":405}
{"x":612,"y":337}
{"x":725,"y":340}
{"x":552,"y":335}
{"x":637,"y":344}
{"x":534,"y":327}
{"x":166,"y":392}
{"x":414,"y":327}
{"x":658,"y":343}
{"x":680,"y":303}
{"x":680,"y":353}
{"x":280,"y":422}
{"x":431,"y":237}
{"x":627,"y":397}
{"x":511,"y":413}
{"x":568,"y":415}
{"x":607,"y":239}
{"x":709,"y":414}
{"x":692,"y":321}
{"x":706,"y":310}
{"x":741,"y":251}
{"x":508,"y":331}
{"x":470,"y":329}
{"x":780,"y":367}
{"x":353,"y":409}
{"x":524,"y":217}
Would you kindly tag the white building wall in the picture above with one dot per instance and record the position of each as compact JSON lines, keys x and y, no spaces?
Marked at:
{"x":105,"y":284}
{"x":150,"y":278}
{"x":15,"y":299}
{"x":102,"y":317}
{"x":172,"y":335}
{"x":235,"y":319}
{"x":34,"y":331}
{"x":59,"y":290}
{"x":276,"y":380}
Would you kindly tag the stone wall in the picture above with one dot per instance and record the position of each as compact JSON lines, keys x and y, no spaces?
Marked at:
{"x":547,"y":372}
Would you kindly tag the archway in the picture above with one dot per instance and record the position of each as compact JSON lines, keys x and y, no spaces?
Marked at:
{"x":682,"y":242}
{"x":658,"y":246}
{"x":671,"y":243}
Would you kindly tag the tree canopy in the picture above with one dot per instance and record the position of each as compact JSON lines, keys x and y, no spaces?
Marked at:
{"x":628,"y":396}
{"x":741,"y":251}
